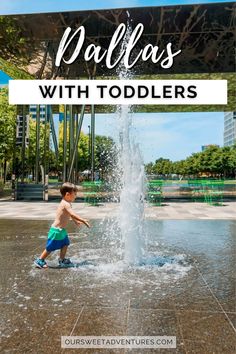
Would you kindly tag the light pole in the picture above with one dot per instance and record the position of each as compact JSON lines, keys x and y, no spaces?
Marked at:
{"x":89,"y":147}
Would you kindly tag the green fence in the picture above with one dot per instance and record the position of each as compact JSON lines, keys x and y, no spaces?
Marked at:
{"x":210,"y":191}
{"x":155,"y":192}
{"x":92,"y":191}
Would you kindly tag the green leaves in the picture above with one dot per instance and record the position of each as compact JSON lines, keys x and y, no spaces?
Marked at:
{"x":7,"y":126}
{"x":213,"y":161}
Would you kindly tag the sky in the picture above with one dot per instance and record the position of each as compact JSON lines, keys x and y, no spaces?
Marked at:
{"x":168,"y":135}
{"x":4,"y":78}
{"x":30,"y":6}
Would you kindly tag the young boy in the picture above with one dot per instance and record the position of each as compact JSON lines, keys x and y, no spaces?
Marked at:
{"x":57,"y":235}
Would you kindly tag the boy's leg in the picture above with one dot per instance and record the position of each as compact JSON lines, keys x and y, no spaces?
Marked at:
{"x":63,"y":252}
{"x":44,"y":254}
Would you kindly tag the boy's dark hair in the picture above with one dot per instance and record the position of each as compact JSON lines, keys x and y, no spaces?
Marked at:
{"x":68,"y":187}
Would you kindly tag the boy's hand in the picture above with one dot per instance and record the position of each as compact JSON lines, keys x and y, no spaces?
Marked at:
{"x":78,"y":223}
{"x":86,"y":223}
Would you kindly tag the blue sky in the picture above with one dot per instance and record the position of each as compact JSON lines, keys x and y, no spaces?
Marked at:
{"x":170,"y":135}
{"x":30,"y":6}
{"x":3,"y":78}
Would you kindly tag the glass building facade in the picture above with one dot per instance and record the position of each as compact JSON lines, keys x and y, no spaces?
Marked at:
{"x":33,"y":112}
{"x":230,"y":128}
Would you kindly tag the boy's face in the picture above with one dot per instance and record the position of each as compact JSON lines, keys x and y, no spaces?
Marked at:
{"x":70,"y":197}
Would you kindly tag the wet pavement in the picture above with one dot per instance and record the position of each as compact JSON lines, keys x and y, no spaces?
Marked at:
{"x":190,"y":295}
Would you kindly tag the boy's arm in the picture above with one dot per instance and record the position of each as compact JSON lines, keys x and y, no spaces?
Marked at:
{"x":74,"y":216}
{"x":80,"y":220}
{"x":77,"y":223}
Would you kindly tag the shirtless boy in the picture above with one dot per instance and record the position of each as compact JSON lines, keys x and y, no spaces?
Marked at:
{"x":57,"y":235}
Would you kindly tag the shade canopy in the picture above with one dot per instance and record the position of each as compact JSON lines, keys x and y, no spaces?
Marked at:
{"x":205,"y":33}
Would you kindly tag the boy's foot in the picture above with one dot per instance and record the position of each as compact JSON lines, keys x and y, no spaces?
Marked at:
{"x":65,"y":261}
{"x":40,"y":263}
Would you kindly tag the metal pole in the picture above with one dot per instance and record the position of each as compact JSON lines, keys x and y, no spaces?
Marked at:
{"x":76,"y":154}
{"x":13,"y":187}
{"x":71,"y":138}
{"x":72,"y":129}
{"x":46,"y":188}
{"x":92,"y":141}
{"x":46,"y":147}
{"x":37,"y":144}
{"x":89,"y":148}
{"x":13,"y":177}
{"x":14,"y":145}
{"x":53,"y":131}
{"x":77,"y":140}
{"x":54,"y":135}
{"x":73,"y":146}
{"x":64,"y":143}
{"x":23,"y":144}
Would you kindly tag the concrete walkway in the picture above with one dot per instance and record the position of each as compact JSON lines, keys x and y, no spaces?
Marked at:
{"x":172,"y":211}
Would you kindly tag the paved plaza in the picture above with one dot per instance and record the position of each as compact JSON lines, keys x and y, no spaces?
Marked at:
{"x":174,"y":211}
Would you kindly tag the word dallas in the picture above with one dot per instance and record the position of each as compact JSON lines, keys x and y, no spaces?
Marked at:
{"x":149,"y":52}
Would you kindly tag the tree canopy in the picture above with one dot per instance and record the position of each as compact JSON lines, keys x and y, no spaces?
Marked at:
{"x":214,"y":161}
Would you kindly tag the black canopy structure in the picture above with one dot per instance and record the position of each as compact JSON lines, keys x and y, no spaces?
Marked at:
{"x":205,"y":33}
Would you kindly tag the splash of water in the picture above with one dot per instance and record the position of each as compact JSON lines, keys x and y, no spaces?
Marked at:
{"x":131,"y":211}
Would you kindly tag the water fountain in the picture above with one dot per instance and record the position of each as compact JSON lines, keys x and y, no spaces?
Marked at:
{"x":130,"y":180}
{"x":131,"y":212}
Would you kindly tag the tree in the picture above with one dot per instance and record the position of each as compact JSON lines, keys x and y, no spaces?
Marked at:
{"x":179,"y":168}
{"x":105,"y":155}
{"x":232,"y":161}
{"x":7,"y":131}
{"x":214,"y":161}
{"x":162,"y":166}
{"x":149,"y":168}
{"x":83,"y":149}
{"x":45,"y":152}
{"x":14,"y":47}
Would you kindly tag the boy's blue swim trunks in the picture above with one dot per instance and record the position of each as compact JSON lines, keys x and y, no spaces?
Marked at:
{"x":57,"y":238}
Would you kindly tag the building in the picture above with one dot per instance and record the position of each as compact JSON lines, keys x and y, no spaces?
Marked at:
{"x":33,"y":112}
{"x":20,"y":128}
{"x":230,"y":128}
